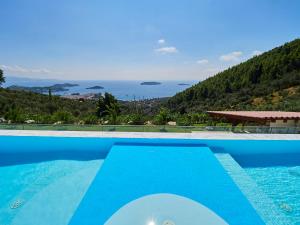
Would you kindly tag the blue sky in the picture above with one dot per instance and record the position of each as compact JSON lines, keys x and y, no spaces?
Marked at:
{"x":136,"y":39}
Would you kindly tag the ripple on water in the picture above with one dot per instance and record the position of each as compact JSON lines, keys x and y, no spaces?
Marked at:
{"x":282,"y":185}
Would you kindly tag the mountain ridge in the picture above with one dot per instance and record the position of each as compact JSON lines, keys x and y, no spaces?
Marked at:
{"x":270,"y":81}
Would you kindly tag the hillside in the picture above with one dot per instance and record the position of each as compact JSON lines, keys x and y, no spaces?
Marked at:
{"x":31,"y":105}
{"x":19,"y":105}
{"x":41,"y":90}
{"x":270,"y":81}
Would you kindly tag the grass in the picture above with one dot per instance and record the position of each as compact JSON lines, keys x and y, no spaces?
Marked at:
{"x":146,"y":128}
{"x":116,"y":128}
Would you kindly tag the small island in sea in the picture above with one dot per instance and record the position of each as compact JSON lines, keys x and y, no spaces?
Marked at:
{"x":53,"y":88}
{"x":183,"y":84}
{"x":95,"y":87}
{"x":150,"y":83}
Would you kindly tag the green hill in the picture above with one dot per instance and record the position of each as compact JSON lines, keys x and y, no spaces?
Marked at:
{"x":270,"y":81}
{"x":21,"y":105}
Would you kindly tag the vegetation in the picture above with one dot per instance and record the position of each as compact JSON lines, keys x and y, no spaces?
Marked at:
{"x":2,"y":79}
{"x":41,"y":90}
{"x":163,"y":116}
{"x":104,"y":102}
{"x":19,"y":106}
{"x":270,"y":81}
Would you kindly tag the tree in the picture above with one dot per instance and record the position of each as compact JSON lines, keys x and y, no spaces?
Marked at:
{"x":101,"y":109}
{"x":2,"y":78}
{"x":104,"y":103}
{"x":50,"y":94}
{"x":113,"y":112}
{"x":163,"y":116}
{"x":50,"y":105}
{"x":14,"y":114}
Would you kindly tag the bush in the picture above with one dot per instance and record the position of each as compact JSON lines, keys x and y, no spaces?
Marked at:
{"x":91,"y":119}
{"x":15,"y":115}
{"x":163,"y":117}
{"x":137,"y":119}
{"x":63,"y":116}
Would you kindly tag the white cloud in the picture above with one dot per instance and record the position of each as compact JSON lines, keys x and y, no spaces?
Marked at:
{"x":23,"y":70}
{"x":167,"y":50}
{"x":161,"y":41}
{"x":256,"y":53}
{"x":202,"y":61}
{"x":231,"y":57}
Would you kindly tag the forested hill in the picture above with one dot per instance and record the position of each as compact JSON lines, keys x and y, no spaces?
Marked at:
{"x":270,"y":81}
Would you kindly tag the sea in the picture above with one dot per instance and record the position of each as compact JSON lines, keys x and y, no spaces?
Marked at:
{"x":123,"y":90}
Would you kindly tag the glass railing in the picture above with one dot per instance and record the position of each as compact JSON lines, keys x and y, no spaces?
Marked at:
{"x":152,"y":128}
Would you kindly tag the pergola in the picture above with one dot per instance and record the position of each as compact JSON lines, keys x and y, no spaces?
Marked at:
{"x":260,"y":117}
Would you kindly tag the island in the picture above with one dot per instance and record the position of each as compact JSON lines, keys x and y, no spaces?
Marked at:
{"x":95,"y":87}
{"x":183,"y":84}
{"x":53,"y":88}
{"x":150,"y":83}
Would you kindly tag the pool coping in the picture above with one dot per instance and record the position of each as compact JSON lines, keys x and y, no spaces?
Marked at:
{"x":194,"y":135}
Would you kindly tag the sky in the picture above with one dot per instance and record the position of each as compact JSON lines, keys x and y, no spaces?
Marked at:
{"x":138,"y":39}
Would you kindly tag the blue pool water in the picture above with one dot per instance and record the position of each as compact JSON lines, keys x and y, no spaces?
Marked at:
{"x":282,"y":185}
{"x":50,"y":180}
{"x":278,"y":176}
{"x":134,"y":171}
{"x":44,"y":193}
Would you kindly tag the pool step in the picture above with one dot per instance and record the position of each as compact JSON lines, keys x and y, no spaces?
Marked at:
{"x":265,"y":207}
{"x":134,"y":171}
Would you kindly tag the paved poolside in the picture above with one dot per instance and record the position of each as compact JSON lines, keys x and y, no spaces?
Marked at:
{"x":194,"y":135}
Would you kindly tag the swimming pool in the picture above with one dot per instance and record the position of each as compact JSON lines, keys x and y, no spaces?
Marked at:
{"x":279,"y":177}
{"x":33,"y":193}
{"x":56,"y":180}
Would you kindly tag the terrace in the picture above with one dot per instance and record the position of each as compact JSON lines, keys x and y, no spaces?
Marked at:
{"x":275,"y":119}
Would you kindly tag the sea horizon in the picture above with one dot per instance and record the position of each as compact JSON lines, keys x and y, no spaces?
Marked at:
{"x":126,"y":90}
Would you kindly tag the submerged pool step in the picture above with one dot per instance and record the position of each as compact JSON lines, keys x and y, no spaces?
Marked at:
{"x":265,"y":207}
{"x":134,"y":171}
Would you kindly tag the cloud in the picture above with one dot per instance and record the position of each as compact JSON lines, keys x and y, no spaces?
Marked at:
{"x":256,"y":53}
{"x":24,"y":70}
{"x":202,"y":61}
{"x":231,"y":57}
{"x":167,"y":50}
{"x":161,"y":41}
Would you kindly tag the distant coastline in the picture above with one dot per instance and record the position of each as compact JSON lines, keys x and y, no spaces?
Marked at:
{"x":53,"y":88}
{"x":183,"y":84}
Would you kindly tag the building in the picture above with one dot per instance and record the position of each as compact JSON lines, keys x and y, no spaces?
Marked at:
{"x":267,"y":118}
